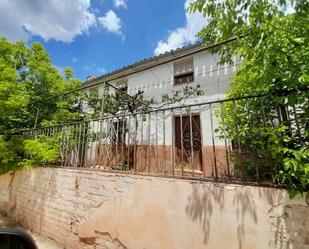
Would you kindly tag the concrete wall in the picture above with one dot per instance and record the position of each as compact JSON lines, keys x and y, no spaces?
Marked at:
{"x":84,"y":209}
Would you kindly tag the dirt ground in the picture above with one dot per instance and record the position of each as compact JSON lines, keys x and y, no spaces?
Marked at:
{"x":42,"y":243}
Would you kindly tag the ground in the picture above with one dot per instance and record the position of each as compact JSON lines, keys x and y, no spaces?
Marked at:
{"x":42,"y":243}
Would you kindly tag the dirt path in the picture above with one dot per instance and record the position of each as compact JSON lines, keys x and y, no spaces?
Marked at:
{"x":42,"y":243}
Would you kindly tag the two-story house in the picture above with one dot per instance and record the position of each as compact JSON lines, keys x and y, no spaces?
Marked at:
{"x":177,"y":139}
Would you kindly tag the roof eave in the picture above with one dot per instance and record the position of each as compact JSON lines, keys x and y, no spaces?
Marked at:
{"x":152,"y":62}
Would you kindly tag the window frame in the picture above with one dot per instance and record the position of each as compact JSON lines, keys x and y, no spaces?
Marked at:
{"x":187,"y":77}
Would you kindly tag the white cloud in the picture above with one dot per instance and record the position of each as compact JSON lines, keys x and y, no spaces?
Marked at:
{"x":180,"y":36}
{"x":111,"y":22}
{"x":120,"y":4}
{"x":50,"y":19}
{"x":93,"y":68}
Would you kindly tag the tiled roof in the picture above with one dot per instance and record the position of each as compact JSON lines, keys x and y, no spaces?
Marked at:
{"x":156,"y":58}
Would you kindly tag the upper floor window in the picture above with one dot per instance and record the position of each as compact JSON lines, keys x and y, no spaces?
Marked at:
{"x":183,"y":71}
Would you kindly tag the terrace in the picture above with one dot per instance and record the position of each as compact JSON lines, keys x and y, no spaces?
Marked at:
{"x":202,"y":141}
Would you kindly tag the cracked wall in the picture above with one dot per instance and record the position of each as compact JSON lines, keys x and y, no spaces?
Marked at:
{"x":90,"y":209}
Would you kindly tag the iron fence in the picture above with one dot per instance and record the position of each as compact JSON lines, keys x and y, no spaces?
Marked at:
{"x":221,"y":140}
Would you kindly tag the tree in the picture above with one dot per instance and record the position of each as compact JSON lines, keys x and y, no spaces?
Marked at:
{"x":34,"y":94}
{"x":115,"y":102}
{"x":272,"y":38}
{"x":31,"y":93}
{"x":30,"y":86}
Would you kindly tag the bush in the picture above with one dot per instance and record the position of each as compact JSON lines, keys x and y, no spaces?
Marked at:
{"x":41,"y":151}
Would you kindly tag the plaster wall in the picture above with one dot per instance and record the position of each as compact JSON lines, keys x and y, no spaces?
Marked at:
{"x":89,"y":209}
{"x":157,"y":81}
{"x":157,"y":128}
{"x":212,"y":77}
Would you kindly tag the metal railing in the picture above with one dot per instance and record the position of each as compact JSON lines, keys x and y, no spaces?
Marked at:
{"x":211,"y":140}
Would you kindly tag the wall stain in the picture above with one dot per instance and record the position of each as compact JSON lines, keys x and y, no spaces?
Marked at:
{"x":102,"y":238}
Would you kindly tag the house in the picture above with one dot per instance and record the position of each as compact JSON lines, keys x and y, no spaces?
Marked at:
{"x":176,"y":139}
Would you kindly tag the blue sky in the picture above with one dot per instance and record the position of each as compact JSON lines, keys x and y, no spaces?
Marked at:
{"x":98,"y":36}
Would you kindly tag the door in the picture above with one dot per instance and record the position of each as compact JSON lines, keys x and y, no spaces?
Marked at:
{"x":188,"y":143}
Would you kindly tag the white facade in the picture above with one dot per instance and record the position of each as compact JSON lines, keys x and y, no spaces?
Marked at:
{"x":159,"y":128}
{"x":159,"y":80}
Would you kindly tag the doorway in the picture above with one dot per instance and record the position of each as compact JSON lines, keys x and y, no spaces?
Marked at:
{"x":188,"y":143}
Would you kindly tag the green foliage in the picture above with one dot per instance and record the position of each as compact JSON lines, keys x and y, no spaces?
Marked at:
{"x":295,"y":173}
{"x":6,"y":154}
{"x":272,"y":39}
{"x":31,"y":89}
{"x":267,"y":145}
{"x":31,"y":93}
{"x":10,"y":153}
{"x":42,"y":150}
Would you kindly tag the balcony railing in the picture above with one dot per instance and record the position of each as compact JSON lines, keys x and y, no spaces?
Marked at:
{"x":212,"y":140}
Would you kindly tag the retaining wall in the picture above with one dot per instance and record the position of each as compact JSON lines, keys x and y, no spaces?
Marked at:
{"x":89,"y":209}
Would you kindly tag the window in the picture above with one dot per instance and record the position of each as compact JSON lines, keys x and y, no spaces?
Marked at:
{"x":123,"y":88}
{"x":122,"y":85}
{"x":183,"y":71}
